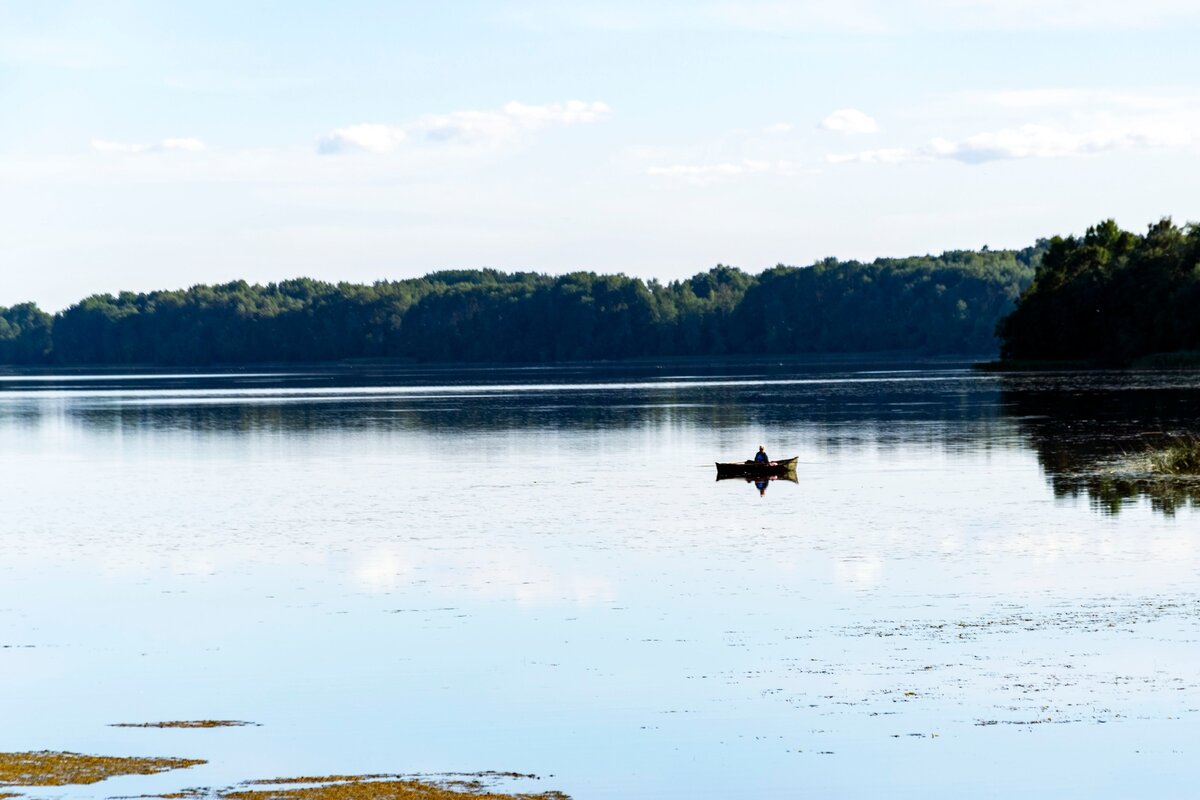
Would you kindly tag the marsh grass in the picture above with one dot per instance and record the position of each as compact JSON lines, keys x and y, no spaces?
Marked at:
{"x":47,"y":768}
{"x":195,"y":723}
{"x":1179,"y":458}
{"x":375,"y":787}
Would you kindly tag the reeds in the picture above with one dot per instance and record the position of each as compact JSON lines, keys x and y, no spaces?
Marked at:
{"x":1179,"y":458}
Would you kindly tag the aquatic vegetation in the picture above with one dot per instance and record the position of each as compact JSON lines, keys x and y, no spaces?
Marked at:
{"x":1180,"y":457}
{"x":1084,"y":453}
{"x":47,"y":768}
{"x":195,"y":723}
{"x":477,"y":777}
{"x":382,"y":787}
{"x":1167,"y":475}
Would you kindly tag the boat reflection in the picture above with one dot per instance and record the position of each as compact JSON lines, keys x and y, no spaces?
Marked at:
{"x":761,"y":482}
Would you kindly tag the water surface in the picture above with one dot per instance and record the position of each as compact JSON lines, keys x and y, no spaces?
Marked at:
{"x":426,"y":570}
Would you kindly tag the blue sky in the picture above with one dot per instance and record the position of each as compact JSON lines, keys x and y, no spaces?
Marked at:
{"x":157,"y":145}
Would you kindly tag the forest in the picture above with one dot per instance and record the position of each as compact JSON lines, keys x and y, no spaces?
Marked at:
{"x":930,"y":304}
{"x":1110,"y":296}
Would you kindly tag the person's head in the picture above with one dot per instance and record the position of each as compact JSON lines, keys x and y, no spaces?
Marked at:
{"x":761,"y":449}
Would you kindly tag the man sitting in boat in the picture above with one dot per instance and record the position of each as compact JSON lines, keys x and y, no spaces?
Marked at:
{"x":761,"y":456}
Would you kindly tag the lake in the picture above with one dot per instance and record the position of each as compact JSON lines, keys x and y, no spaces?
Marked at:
{"x":422,"y":570}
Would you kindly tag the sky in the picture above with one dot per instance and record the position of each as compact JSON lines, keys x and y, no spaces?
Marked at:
{"x":149,"y":145}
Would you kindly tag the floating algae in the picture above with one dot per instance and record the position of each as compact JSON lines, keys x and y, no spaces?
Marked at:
{"x":451,"y":786}
{"x":47,"y":768}
{"x":382,"y":787}
{"x":440,"y":778}
{"x":193,"y":723}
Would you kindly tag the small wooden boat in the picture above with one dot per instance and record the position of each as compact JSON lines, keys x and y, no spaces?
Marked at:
{"x":754,"y":469}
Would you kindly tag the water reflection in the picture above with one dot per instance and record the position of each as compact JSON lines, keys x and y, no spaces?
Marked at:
{"x":884,"y":406}
{"x":390,"y":577}
{"x":1079,"y":425}
{"x":762,"y":483}
{"x":1087,"y":430}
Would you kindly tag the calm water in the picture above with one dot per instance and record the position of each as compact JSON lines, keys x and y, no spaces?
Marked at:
{"x":535,"y":570}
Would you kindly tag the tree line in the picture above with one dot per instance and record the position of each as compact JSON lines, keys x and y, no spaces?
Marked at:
{"x":1110,"y":296}
{"x":930,"y":304}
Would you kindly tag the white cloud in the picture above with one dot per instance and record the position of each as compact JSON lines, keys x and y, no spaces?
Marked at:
{"x":929,"y":16}
{"x":186,"y":143}
{"x":869,"y":17}
{"x":62,"y":50}
{"x":1089,"y":100}
{"x":778,"y":128}
{"x":1059,"y":15}
{"x":857,"y":16}
{"x":508,"y":123}
{"x":1028,"y":141}
{"x":103,"y":146}
{"x":695,"y":173}
{"x":701,"y":174}
{"x":573,"y":112}
{"x":849,"y":121}
{"x":1042,"y":141}
{"x":468,"y":128}
{"x":366,"y":137}
{"x":887,"y":155}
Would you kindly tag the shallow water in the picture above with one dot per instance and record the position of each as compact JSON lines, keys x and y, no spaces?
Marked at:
{"x":533,"y":569}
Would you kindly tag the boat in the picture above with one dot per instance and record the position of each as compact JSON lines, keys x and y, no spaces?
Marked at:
{"x":756,"y":469}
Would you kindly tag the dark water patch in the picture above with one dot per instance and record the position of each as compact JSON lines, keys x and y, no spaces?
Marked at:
{"x":1111,"y":436}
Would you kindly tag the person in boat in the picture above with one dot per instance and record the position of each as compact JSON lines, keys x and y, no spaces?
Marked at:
{"x":761,"y":456}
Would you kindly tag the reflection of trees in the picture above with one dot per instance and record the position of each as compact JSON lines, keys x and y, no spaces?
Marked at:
{"x":435,"y":414}
{"x":1084,"y":427}
{"x":1109,"y":492}
{"x":839,"y":413}
{"x":1090,"y":431}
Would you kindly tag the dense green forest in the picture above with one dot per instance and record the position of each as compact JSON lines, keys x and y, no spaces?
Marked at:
{"x":1110,"y":296}
{"x":931,"y":304}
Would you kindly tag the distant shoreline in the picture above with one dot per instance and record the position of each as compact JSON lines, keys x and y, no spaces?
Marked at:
{"x":886,"y":357}
{"x":945,"y":304}
{"x":1179,"y":359}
